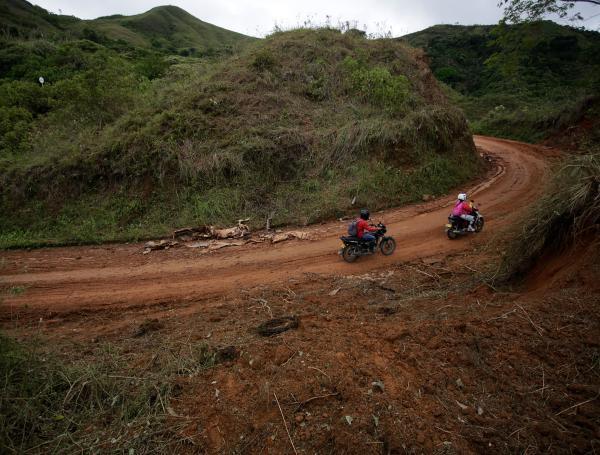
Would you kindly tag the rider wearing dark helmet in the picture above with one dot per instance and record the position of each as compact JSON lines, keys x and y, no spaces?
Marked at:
{"x":364,"y":229}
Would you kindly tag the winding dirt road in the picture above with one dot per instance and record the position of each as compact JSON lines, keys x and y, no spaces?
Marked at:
{"x":62,"y":281}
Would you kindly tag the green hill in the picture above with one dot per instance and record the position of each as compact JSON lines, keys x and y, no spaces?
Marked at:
{"x":523,"y":81}
{"x":165,"y":29}
{"x":296,"y":125}
{"x":19,"y":18}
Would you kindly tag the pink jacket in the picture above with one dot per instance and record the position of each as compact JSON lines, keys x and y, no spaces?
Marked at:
{"x":461,"y":208}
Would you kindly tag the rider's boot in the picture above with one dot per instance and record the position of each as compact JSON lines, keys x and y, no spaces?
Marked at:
{"x":470,"y":228}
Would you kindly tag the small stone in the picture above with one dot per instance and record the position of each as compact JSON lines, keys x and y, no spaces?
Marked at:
{"x":462,"y":406}
{"x":348,"y":419}
{"x":460,"y":383}
{"x":378,"y":385}
{"x":479,"y":410}
{"x":299,"y":418}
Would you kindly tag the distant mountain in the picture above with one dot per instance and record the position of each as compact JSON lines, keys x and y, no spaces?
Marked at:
{"x":523,"y":81}
{"x":167,"y":29}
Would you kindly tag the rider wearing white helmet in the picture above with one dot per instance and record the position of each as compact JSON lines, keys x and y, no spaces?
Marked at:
{"x":463,"y":209}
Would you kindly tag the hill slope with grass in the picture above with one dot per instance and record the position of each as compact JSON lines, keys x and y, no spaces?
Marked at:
{"x":523,"y":81}
{"x":164,"y":29}
{"x":295,"y":126}
{"x":19,"y":18}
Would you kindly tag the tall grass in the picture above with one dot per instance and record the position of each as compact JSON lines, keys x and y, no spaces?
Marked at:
{"x":569,"y":211}
{"x":50,"y":405}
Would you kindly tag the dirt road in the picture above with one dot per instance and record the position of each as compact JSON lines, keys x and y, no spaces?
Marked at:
{"x":391,"y":354}
{"x":59,"y":281}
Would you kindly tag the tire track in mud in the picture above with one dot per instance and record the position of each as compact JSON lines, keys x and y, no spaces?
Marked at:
{"x":115,"y":279}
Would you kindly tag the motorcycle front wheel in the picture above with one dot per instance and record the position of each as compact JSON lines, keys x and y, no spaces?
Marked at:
{"x":451,"y":234}
{"x":479,"y":225}
{"x":350,"y":253}
{"x":387,"y":246}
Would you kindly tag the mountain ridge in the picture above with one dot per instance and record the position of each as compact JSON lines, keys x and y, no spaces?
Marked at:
{"x":166,"y":28}
{"x":525,"y":81}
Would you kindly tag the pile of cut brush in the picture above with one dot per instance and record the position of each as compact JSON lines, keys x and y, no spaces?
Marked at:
{"x":211,"y":238}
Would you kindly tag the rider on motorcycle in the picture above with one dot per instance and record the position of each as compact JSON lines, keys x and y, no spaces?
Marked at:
{"x":463,"y":209}
{"x":363,"y":228}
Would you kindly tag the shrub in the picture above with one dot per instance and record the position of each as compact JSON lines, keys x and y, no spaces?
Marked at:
{"x":263,"y":61}
{"x":377,"y":86}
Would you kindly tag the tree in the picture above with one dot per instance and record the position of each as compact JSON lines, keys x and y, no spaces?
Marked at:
{"x":531,"y":10}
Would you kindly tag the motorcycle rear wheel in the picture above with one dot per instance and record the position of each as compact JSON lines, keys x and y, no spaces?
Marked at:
{"x":387,"y":246}
{"x":350,"y":253}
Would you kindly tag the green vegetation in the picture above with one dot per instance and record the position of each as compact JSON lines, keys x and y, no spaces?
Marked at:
{"x":531,"y":10}
{"x":16,"y":290}
{"x":523,"y":81}
{"x":126,"y":145}
{"x":166,"y":30}
{"x":49,"y":404}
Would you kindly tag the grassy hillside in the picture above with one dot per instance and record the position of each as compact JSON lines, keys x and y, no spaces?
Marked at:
{"x":297,"y":125}
{"x":164,"y":29}
{"x":522,"y":81}
{"x":19,"y":18}
{"x":167,"y":28}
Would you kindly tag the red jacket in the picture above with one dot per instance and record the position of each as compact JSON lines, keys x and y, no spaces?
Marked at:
{"x":362,"y":226}
{"x":462,"y":208}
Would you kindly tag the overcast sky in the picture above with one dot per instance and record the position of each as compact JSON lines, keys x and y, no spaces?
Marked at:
{"x":259,"y":17}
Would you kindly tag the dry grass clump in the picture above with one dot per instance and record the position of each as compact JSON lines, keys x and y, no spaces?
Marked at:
{"x":48,"y":404}
{"x":569,"y":212}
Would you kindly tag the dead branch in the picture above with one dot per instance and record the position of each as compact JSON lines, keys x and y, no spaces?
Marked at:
{"x":422,"y":272}
{"x":503,"y":316}
{"x":289,"y":358}
{"x":305,"y":402}
{"x":577,"y":405}
{"x":285,"y":424}
{"x":535,"y":326}
{"x":322,"y":372}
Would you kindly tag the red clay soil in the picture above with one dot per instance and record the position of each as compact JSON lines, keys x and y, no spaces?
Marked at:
{"x":61,"y":281}
{"x":412,"y":353}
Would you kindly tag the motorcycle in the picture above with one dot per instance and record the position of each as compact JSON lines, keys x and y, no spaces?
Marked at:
{"x":457,"y":226}
{"x":353,"y":247}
